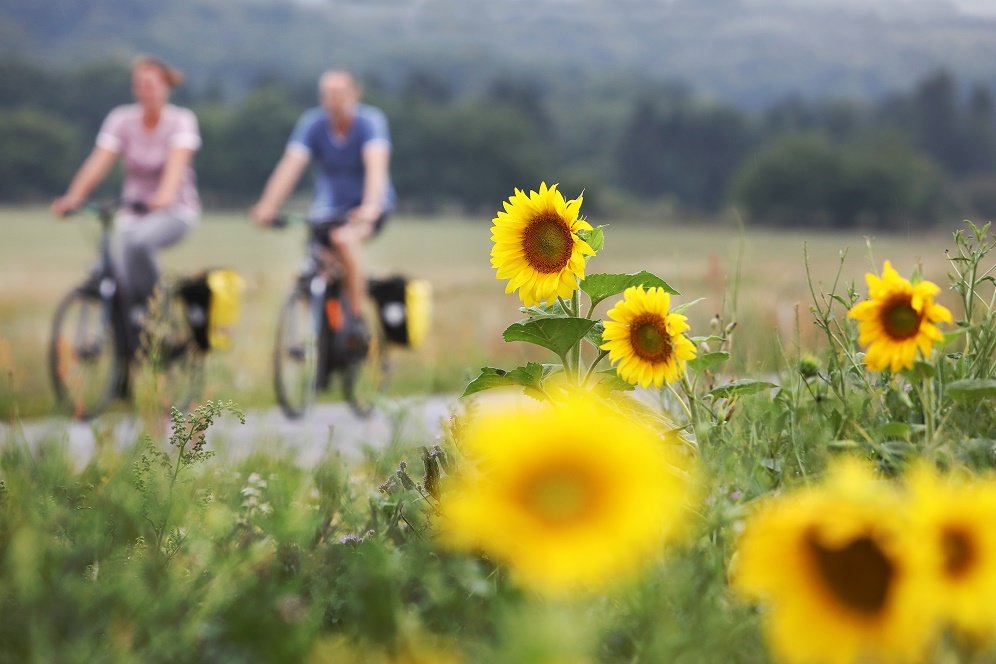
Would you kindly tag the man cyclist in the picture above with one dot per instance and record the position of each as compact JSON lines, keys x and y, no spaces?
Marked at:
{"x":351,"y":146}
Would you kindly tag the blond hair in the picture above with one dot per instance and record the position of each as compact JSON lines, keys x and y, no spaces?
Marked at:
{"x":172,"y":76}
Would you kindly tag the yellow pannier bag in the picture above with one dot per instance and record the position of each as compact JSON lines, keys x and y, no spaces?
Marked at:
{"x":226,"y":288}
{"x":213,"y":302}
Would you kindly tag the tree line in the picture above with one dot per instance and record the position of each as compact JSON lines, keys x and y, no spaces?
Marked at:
{"x":637,"y":148}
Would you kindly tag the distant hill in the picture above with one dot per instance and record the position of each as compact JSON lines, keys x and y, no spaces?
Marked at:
{"x":746,"y":51}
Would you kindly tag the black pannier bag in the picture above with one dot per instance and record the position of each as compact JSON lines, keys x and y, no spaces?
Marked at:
{"x":404,"y":307}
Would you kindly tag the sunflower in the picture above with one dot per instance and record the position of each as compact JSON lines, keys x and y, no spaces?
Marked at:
{"x":956,"y":518}
{"x":537,"y":246}
{"x":644,"y":340}
{"x":570,"y":495}
{"x":897,"y":319}
{"x":840,"y":571}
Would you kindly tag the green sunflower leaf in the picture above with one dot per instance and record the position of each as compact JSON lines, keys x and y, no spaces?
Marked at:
{"x":971,"y":388}
{"x":557,"y":334}
{"x":681,"y":307}
{"x":555,"y":310}
{"x":527,"y":376}
{"x":954,"y":334}
{"x":594,"y":335}
{"x":894,"y":431}
{"x":920,"y":371}
{"x":740,"y":388}
{"x":708,"y":360}
{"x":609,"y":380}
{"x":600,"y":286}
{"x":595,"y":237}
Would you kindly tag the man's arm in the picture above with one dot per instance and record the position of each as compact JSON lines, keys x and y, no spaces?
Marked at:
{"x":281,"y":183}
{"x":376,"y":164}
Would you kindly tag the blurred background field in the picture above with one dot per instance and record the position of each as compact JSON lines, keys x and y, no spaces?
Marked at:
{"x":41,"y":259}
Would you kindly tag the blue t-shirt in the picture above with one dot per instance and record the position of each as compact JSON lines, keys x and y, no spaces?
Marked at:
{"x":339,"y":172}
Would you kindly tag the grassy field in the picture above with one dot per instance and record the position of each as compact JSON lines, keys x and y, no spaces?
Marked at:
{"x":41,"y":258}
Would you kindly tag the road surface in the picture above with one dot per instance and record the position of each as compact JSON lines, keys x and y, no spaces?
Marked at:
{"x":328,"y":428}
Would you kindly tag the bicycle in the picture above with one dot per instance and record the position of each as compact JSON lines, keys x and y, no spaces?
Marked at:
{"x":319,"y":338}
{"x":95,"y":342}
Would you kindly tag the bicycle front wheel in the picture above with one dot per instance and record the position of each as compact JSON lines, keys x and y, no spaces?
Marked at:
{"x":295,"y":356}
{"x":85,"y":359}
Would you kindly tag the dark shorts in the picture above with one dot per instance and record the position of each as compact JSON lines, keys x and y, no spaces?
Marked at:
{"x":320,"y":230}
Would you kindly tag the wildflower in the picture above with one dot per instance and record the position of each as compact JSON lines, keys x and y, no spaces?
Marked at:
{"x":570,"y":495}
{"x":537,"y":246}
{"x":897,"y":319}
{"x":644,"y":340}
{"x":955,"y":518}
{"x":841,"y":571}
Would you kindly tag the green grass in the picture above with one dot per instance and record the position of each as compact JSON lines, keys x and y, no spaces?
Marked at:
{"x":41,"y":258}
{"x":158,"y":552}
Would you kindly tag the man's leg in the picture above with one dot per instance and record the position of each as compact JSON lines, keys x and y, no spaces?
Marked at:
{"x":348,"y":240}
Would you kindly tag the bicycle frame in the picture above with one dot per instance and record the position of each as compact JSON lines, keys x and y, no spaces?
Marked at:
{"x":103,"y":286}
{"x":342,"y":341}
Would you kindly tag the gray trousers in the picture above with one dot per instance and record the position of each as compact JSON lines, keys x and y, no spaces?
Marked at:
{"x":138,"y":240}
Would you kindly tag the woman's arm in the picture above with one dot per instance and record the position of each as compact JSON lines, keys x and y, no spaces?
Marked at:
{"x":169,"y":182}
{"x":90,"y":174}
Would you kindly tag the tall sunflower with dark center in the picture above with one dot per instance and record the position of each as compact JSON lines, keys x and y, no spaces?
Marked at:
{"x":898,"y":319}
{"x":954,"y":518}
{"x":841,"y":572}
{"x":645,"y":340}
{"x":537,"y":245}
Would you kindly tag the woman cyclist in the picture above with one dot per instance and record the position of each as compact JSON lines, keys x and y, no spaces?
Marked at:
{"x":155,"y":141}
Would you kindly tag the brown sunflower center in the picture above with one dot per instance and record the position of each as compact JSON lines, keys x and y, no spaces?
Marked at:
{"x":559,"y":496}
{"x":858,"y":575}
{"x":958,"y":550}
{"x":900,"y":319}
{"x":548,"y":243}
{"x":649,"y":338}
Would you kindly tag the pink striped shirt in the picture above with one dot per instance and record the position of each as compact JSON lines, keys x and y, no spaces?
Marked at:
{"x":144,"y":152}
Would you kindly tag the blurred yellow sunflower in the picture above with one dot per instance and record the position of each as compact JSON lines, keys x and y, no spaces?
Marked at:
{"x":956,"y":519}
{"x":897,"y":319}
{"x":570,"y":495}
{"x":840,"y":571}
{"x":537,"y":246}
{"x":645,"y":340}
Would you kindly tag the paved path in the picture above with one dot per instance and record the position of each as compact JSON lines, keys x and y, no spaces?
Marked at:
{"x":329,"y":427}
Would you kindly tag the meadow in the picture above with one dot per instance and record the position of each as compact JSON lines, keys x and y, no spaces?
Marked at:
{"x":756,"y":278}
{"x":796,"y":500}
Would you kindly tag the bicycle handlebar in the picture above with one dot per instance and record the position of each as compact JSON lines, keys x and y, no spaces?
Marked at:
{"x":105,"y":211}
{"x":284,"y":220}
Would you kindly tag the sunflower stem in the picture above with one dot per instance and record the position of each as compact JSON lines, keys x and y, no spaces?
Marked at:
{"x":684,"y":406}
{"x":576,"y":350}
{"x":594,"y":364}
{"x":927,"y":397}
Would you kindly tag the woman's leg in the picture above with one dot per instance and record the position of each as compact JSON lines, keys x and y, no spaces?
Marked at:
{"x":140,"y":238}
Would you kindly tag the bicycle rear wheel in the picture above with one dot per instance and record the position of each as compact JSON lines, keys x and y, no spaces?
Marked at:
{"x":172,"y":361}
{"x":85,"y":359}
{"x":363,"y":380}
{"x":295,"y":356}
